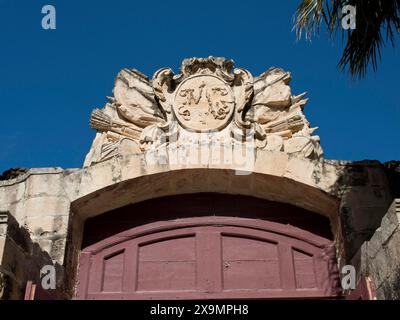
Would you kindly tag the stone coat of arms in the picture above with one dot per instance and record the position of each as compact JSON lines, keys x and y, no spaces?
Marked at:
{"x":208,"y":95}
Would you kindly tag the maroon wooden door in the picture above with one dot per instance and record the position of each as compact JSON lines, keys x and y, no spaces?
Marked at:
{"x":209,"y":258}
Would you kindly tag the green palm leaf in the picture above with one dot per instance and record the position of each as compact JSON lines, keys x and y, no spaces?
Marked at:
{"x":377,"y":24}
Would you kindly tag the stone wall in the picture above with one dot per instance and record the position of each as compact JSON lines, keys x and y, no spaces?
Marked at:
{"x":379,"y":258}
{"x":21,"y":260}
{"x":33,"y":229}
{"x":365,"y":197}
{"x":38,"y":202}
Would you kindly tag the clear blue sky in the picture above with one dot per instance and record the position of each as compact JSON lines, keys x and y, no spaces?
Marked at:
{"x":51,"y":80}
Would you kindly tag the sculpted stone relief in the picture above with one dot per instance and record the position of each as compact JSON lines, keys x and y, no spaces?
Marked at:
{"x":208,"y":95}
{"x":203,"y":103}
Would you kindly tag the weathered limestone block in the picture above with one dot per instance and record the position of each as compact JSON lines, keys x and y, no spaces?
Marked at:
{"x":44,"y":185}
{"x":300,"y":169}
{"x":10,"y":193}
{"x":269,"y":162}
{"x":42,"y":205}
{"x":38,"y":202}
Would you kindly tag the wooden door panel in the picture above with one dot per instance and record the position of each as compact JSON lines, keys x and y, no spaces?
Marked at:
{"x":167,"y":265}
{"x":304,"y":270}
{"x":113,"y":272}
{"x":207,"y":258}
{"x":243,"y":254}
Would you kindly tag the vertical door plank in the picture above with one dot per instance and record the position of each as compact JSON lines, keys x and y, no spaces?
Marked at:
{"x":130,"y":269}
{"x":209,"y":261}
{"x":286,"y":266}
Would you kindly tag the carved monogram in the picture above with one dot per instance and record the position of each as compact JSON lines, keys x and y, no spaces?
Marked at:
{"x":203,"y":103}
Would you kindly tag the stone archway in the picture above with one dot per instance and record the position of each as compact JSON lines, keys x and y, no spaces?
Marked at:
{"x":191,"y":181}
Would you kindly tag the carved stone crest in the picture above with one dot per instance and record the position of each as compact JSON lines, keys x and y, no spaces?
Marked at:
{"x":207,"y":95}
{"x":203,"y":103}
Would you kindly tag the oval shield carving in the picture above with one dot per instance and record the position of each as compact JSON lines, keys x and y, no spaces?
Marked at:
{"x":203,"y":103}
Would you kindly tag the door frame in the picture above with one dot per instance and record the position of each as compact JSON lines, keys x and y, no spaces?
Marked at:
{"x":252,"y":228}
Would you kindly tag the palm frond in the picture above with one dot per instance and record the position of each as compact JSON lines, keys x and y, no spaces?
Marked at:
{"x":377,"y":24}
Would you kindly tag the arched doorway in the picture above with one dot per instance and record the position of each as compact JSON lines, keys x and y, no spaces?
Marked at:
{"x":207,"y":246}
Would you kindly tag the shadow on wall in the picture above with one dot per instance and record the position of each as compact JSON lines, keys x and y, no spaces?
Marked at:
{"x":201,"y":205}
{"x":392,"y":292}
{"x":12,"y":173}
{"x":367,"y":189}
{"x":392,"y":169}
{"x":21,"y":260}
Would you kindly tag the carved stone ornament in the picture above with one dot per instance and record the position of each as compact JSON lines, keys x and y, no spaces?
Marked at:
{"x":203,"y":103}
{"x":208,"y":95}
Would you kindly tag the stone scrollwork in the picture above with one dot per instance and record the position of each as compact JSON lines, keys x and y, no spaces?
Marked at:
{"x":208,"y":95}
